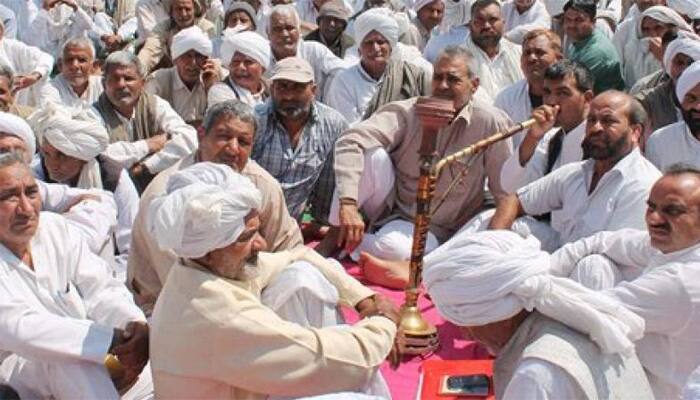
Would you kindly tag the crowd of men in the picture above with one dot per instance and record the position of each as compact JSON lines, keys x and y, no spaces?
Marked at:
{"x":181,"y":179}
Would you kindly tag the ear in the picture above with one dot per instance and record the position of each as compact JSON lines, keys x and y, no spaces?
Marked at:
{"x":200,"y":133}
{"x":313,"y":88}
{"x":475,"y":84}
{"x":588,"y":95}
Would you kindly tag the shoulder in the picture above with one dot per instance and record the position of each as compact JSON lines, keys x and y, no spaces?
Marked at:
{"x":161,"y":77}
{"x":206,"y":26}
{"x":490,"y":114}
{"x":665,"y":133}
{"x":161,"y":29}
{"x":329,"y":115}
{"x":262,"y":179}
{"x":511,"y":92}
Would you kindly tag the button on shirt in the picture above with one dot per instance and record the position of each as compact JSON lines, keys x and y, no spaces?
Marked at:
{"x":305,"y":172}
{"x":618,"y":201}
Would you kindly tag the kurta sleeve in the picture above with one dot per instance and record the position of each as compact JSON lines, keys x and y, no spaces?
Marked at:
{"x":154,"y":47}
{"x":183,"y":138}
{"x":546,"y":194}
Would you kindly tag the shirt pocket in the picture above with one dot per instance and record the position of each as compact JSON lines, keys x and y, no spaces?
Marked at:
{"x":71,"y":302}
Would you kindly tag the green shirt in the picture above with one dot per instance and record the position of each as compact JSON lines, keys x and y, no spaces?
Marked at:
{"x":598,"y":54}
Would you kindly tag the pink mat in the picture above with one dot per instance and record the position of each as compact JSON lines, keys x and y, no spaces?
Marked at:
{"x":403,"y":382}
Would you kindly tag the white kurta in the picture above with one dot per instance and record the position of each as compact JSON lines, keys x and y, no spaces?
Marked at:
{"x":59,"y":92}
{"x":24,"y":59}
{"x":666,"y":295}
{"x":149,"y":13}
{"x":25,"y":11}
{"x":10,"y":21}
{"x":618,"y":201}
{"x":457,"y":35}
{"x":221,"y":92}
{"x":54,"y":27}
{"x":350,"y":92}
{"x":536,"y":379}
{"x":515,"y":101}
{"x":498,"y":72}
{"x":673,"y":144}
{"x":183,"y":141}
{"x":517,"y":25}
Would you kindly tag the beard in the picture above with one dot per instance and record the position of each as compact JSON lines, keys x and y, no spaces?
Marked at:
{"x":485,"y":41}
{"x":692,"y":119}
{"x":607,"y":150}
{"x":292,"y":110}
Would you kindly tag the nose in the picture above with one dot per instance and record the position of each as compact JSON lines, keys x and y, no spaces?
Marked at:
{"x":259,"y":243}
{"x":442,"y":83}
{"x":653,"y":217}
{"x":25,"y":205}
{"x":232,"y":146}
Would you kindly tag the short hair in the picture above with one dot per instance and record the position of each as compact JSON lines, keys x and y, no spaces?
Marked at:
{"x":80,"y":42}
{"x":554,"y":39}
{"x":678,"y":169}
{"x":563,"y":68}
{"x":588,"y":7}
{"x":11,"y":158}
{"x":199,"y":7}
{"x":6,"y":72}
{"x":124,"y":59}
{"x":232,"y":109}
{"x":636,"y":114}
{"x":481,"y":4}
{"x":286,"y":10}
{"x":454,"y":51}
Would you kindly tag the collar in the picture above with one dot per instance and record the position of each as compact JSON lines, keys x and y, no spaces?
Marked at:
{"x":585,"y":41}
{"x":364,"y":75}
{"x":483,"y":53}
{"x":624,"y":167}
{"x":465,"y":113}
{"x":178,"y":84}
{"x":269,"y":108}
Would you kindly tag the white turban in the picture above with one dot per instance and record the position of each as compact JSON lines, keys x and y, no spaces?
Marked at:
{"x":380,"y":20}
{"x":489,"y":276}
{"x":665,"y":15}
{"x":204,"y":209}
{"x":11,"y":124}
{"x":248,"y":43}
{"x":685,"y":7}
{"x":688,"y":80}
{"x":74,"y":133}
{"x":188,"y":39}
{"x":687,"y":46}
{"x":422,"y":3}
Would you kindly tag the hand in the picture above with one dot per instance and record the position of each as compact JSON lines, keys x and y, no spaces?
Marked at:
{"x":352,"y":227}
{"x":132,"y":347}
{"x":210,"y":73}
{"x":70,"y":3}
{"x":656,"y":48}
{"x":112,"y":42}
{"x":81,"y":198}
{"x":156,"y":143}
{"x":20,"y":82}
{"x":384,"y":306}
{"x":412,"y":345}
{"x":545,"y":117}
{"x":137,"y":169}
{"x":49,"y":4}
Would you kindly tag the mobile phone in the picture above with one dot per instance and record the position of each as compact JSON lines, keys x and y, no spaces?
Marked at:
{"x":476,"y":385}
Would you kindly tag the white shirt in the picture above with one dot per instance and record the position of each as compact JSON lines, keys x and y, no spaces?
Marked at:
{"x":67,"y":307}
{"x":190,"y":105}
{"x":59,"y":91}
{"x":618,"y":201}
{"x":673,"y":144}
{"x":517,"y":25}
{"x":149,"y":13}
{"x":54,"y":27}
{"x":457,"y":35}
{"x":666,"y":295}
{"x":183,"y":140}
{"x":536,"y":379}
{"x":350,"y":92}
{"x":25,"y":11}
{"x":515,"y":101}
{"x":10,"y":21}
{"x":635,"y":57}
{"x":24,"y":59}
{"x":499,"y":72}
{"x":220,"y":92}
{"x":308,"y":12}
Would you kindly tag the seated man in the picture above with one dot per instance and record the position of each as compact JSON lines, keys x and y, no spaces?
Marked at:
{"x":332,"y":21}
{"x":76,"y":86}
{"x":679,"y":143}
{"x":551,"y":339}
{"x":62,"y":312}
{"x":213,"y":335}
{"x":379,"y":77}
{"x":7,"y":95}
{"x":376,"y":168}
{"x":664,"y":258}
{"x":146,"y":135}
{"x":524,"y":16}
{"x":70,"y":154}
{"x":185,"y":85}
{"x":57,"y":22}
{"x":296,"y":138}
{"x":227,"y":138}
{"x":429,"y":14}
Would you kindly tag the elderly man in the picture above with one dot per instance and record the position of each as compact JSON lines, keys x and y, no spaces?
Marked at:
{"x":555,"y":140}
{"x":541,"y":48}
{"x":146,"y":134}
{"x":379,"y":78}
{"x":248,"y":57}
{"x":429,"y":14}
{"x":227,"y":138}
{"x":7,"y":98}
{"x":551,"y":338}
{"x":678,"y":142}
{"x":224,"y":360}
{"x":76,"y":86}
{"x":115,"y":23}
{"x":332,"y":21}
{"x":376,"y":171}
{"x":62,"y":311}
{"x":590,"y":47}
{"x":524,"y":16}
{"x":70,"y":154}
{"x":185,"y":85}
{"x":284,"y":33}
{"x":296,"y":137}
{"x":661,"y":265}
{"x":183,"y":14}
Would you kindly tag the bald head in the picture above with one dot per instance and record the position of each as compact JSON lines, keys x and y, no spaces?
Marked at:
{"x":614,"y":125}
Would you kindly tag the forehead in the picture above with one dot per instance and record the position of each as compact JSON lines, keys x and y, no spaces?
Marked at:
{"x":374,"y":36}
{"x":129,"y":70}
{"x":15,"y":174}
{"x":238,"y":56}
{"x":492,"y":10}
{"x":682,"y":58}
{"x":609,"y":104}
{"x":568,"y":81}
{"x":77,"y":51}
{"x":650,"y":22}
{"x":574,"y":13}
{"x":282,"y":19}
{"x":435,"y":5}
{"x":183,"y":3}
{"x":447,"y":65}
{"x":679,"y":188}
{"x":7,"y":140}
{"x":228,"y":122}
{"x":538,"y":42}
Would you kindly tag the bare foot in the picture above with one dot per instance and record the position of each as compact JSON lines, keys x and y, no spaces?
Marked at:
{"x":328,"y":245}
{"x":391,"y":274}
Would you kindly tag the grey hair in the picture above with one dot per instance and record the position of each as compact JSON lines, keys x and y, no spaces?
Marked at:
{"x":637,"y":114}
{"x":232,"y":109}
{"x":678,"y":169}
{"x":124,"y":59}
{"x":6,"y":72}
{"x":79,"y":42}
{"x":460,"y":52}
{"x":286,"y":10}
{"x":11,"y":158}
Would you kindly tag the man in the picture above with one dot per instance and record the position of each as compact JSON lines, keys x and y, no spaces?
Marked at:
{"x":57,"y":22}
{"x":247,"y":55}
{"x":332,"y":21}
{"x":71,"y":143}
{"x":379,"y":78}
{"x":607,"y":191}
{"x":429,"y":14}
{"x":678,"y":142}
{"x":146,"y":135}
{"x":183,"y":14}
{"x":524,"y":16}
{"x":150,"y":13}
{"x":62,"y":311}
{"x":379,"y":157}
{"x":226,"y":138}
{"x":185,"y":85}
{"x":551,"y":338}
{"x":661,"y":261}
{"x":555,"y":140}
{"x":541,"y":48}
{"x":285,"y":41}
{"x":296,"y":137}
{"x":238,"y":346}
{"x":116,"y":23}
{"x":76,"y":86}
{"x":309,"y":10}
{"x":590,"y":47}
{"x":7,"y":98}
